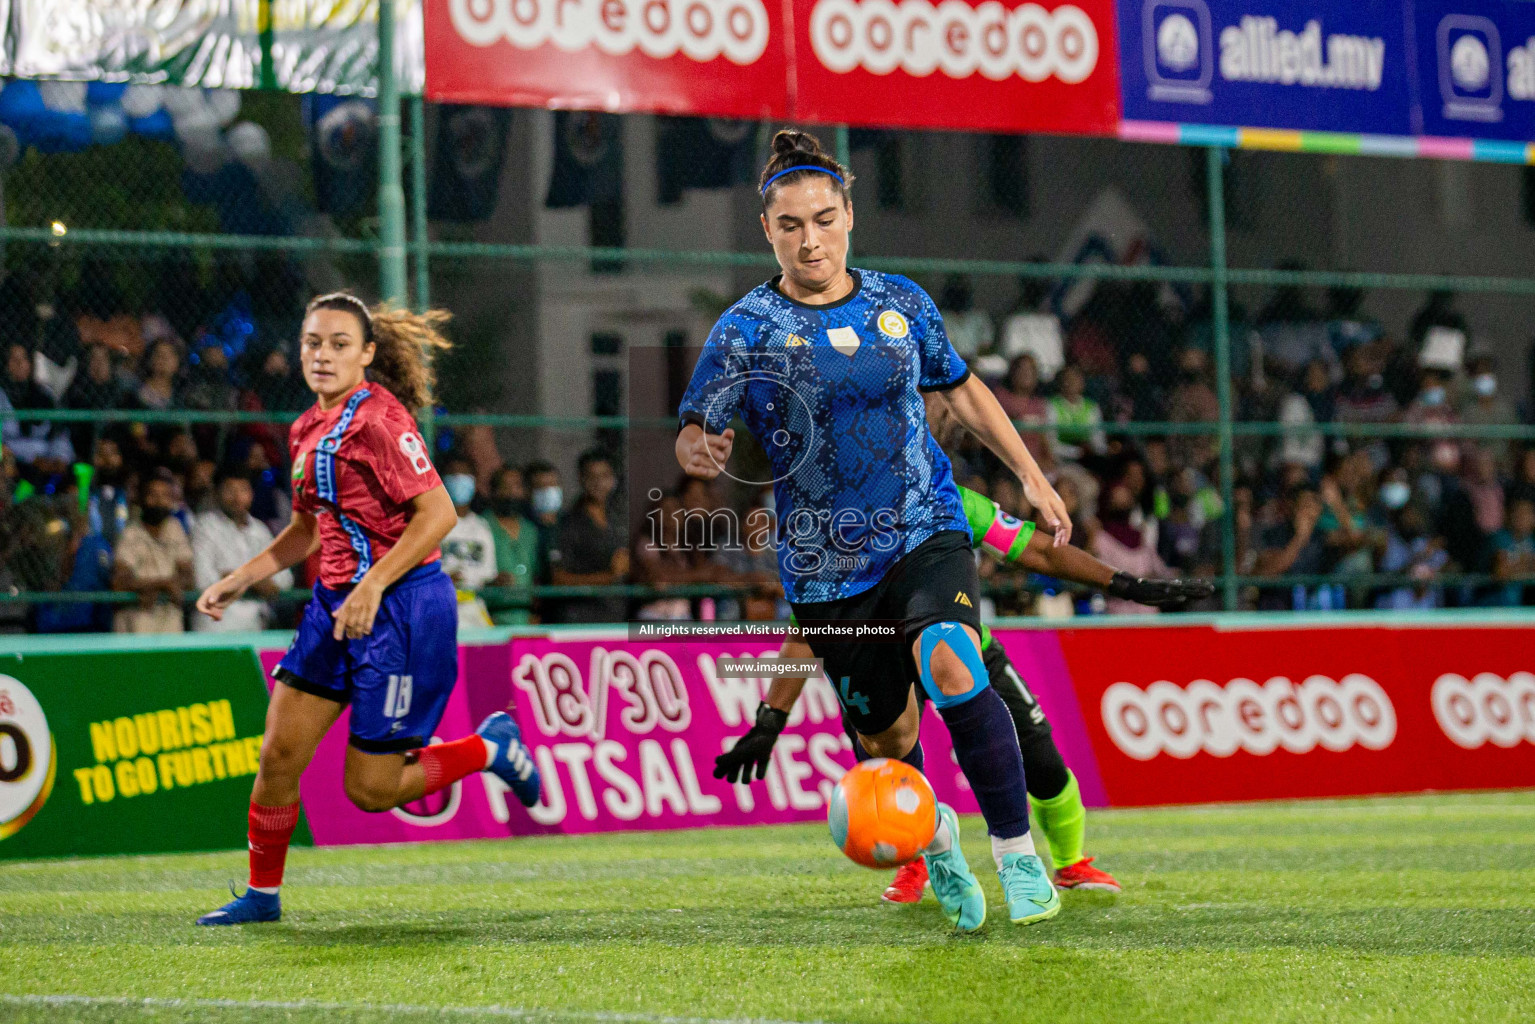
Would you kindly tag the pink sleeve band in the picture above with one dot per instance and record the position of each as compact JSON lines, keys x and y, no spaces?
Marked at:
{"x":1001,"y":534}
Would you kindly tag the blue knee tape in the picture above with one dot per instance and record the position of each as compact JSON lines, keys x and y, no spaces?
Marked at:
{"x":959,"y":641}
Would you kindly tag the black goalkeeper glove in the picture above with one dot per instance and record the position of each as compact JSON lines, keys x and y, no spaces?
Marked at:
{"x":1159,"y":593}
{"x":755,"y":748}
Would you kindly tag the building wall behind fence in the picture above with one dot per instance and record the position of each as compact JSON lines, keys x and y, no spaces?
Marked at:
{"x":1323,"y":212}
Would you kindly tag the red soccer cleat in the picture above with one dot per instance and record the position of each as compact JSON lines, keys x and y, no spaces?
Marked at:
{"x":1082,"y":875}
{"x":908,"y":883}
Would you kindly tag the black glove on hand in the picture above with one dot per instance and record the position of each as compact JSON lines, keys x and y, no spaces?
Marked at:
{"x":753,"y":749}
{"x":1159,"y":593}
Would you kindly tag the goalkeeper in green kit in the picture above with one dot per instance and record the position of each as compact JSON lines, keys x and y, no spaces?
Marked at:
{"x":1052,"y":788}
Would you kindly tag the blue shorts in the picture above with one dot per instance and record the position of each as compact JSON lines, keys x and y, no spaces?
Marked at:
{"x":398,"y":678}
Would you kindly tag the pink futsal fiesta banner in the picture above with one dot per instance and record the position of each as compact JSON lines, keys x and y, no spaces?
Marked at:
{"x":626,"y":734}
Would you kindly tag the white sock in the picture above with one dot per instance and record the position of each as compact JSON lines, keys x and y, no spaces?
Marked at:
{"x":268,"y":890}
{"x":943,"y":840}
{"x":1018,"y":844}
{"x":491,"y":750}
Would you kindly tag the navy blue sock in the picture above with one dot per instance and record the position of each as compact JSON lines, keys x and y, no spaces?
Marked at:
{"x":986,"y":746}
{"x":913,"y":756}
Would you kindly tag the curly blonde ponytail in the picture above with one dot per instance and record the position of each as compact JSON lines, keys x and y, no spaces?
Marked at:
{"x":403,"y":345}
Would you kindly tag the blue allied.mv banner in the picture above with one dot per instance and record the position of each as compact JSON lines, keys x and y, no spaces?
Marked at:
{"x":1323,"y":66}
{"x":1476,"y":68}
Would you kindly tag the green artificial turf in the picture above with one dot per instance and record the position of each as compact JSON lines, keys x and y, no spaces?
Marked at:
{"x":1413,"y":909}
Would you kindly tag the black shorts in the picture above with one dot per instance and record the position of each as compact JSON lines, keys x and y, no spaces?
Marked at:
{"x":935,"y":582}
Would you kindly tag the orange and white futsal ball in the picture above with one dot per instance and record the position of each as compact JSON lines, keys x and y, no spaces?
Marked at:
{"x":883,"y":813}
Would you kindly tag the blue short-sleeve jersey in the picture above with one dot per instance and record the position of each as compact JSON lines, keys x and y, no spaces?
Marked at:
{"x":834,"y":396}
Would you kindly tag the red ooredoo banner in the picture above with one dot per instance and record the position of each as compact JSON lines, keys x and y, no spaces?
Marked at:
{"x":1190,"y":715}
{"x":716,"y":57}
{"x":992,"y":66}
{"x":1007,"y":67}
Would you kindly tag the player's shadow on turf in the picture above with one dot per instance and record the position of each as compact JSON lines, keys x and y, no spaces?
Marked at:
{"x":1089,"y":920}
{"x":696,"y":926}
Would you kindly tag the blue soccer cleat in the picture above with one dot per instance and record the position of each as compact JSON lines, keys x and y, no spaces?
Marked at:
{"x":513,"y":763}
{"x":1030,"y":896}
{"x":954,"y":884}
{"x":251,"y":908}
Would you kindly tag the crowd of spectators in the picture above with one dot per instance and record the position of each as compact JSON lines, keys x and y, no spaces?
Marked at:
{"x":1319,"y":512}
{"x":122,"y":500}
{"x":158,"y":509}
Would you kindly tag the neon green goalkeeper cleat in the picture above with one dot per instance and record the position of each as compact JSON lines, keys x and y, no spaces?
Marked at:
{"x":954,"y":884}
{"x":1030,"y":896}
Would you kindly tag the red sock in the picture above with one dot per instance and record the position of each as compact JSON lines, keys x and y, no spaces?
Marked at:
{"x":270,"y":830}
{"x":446,"y":763}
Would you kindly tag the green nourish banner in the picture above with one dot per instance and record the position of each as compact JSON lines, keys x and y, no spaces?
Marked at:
{"x":326,"y":46}
{"x":144,"y":751}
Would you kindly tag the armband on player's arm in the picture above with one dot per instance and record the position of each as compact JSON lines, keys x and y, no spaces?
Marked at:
{"x":994,"y":531}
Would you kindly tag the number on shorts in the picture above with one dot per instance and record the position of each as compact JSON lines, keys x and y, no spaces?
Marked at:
{"x":397,"y":700}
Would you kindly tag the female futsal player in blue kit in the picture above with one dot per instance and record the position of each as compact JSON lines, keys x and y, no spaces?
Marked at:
{"x":827,"y":366}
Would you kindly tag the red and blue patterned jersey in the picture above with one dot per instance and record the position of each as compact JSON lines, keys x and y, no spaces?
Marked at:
{"x":833,"y":394}
{"x":356,"y":468}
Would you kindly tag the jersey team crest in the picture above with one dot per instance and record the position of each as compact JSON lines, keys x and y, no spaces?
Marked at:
{"x":414,"y":450}
{"x":893,"y":325}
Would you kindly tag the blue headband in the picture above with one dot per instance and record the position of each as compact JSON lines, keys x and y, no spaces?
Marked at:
{"x":801,"y":167}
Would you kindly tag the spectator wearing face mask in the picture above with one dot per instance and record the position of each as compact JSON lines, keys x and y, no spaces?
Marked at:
{"x":1395,"y":491}
{"x":154,"y":560}
{"x":1432,"y":403}
{"x":1485,"y":405}
{"x":225,"y":538}
{"x":469,"y":549}
{"x":546,"y":499}
{"x":1432,"y":407}
{"x":517,"y":545}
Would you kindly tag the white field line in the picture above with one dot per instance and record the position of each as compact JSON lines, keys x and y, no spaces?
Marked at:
{"x":492,"y":1012}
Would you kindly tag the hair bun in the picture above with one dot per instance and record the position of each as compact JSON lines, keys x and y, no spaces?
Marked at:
{"x":789,"y":142}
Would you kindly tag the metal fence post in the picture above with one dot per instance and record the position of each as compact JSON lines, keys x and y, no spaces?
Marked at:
{"x":419,"y":236}
{"x":391,"y":194}
{"x":843,"y":153}
{"x":1215,"y":158}
{"x":268,"y":79}
{"x":420,"y":241}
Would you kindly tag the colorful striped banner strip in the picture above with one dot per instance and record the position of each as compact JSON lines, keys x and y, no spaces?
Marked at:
{"x":1286,"y":140}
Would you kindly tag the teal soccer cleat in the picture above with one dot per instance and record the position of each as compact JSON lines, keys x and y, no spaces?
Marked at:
{"x":251,"y":908}
{"x":1030,"y":896}
{"x":954,"y":884}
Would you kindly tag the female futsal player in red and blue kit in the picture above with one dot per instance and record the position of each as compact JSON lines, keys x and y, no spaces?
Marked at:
{"x":380,"y":634}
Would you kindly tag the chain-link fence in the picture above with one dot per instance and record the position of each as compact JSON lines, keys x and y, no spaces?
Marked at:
{"x":1268,"y":368}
